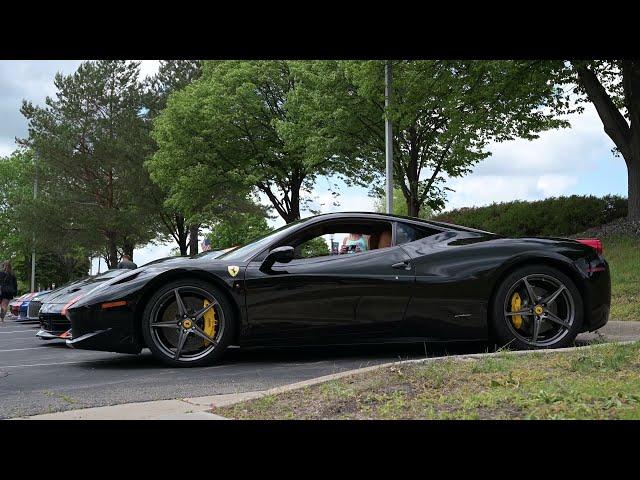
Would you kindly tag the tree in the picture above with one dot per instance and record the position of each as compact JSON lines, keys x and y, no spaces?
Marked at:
{"x":444,"y":113}
{"x":613,"y":86}
{"x":238,"y":230}
{"x":240,"y":128}
{"x":93,"y":138}
{"x":21,"y":229}
{"x":172,"y":76}
{"x":399,"y":205}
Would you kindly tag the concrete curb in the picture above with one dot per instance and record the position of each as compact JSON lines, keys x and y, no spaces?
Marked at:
{"x":200,"y":408}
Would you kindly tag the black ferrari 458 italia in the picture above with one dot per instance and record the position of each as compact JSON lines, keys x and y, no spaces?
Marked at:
{"x":385,"y":278}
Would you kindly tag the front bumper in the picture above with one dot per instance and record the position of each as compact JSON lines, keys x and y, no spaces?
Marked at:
{"x":109,"y":330}
{"x":54,"y":322}
{"x":47,"y":335}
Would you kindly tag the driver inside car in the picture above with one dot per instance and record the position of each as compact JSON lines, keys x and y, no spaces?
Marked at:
{"x":354,"y":243}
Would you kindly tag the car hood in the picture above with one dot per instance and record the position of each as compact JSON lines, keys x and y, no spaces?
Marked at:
{"x":67,"y":293}
{"x":41,"y":296}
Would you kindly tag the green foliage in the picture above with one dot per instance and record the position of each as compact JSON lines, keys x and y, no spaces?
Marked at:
{"x":444,"y":113}
{"x":91,"y":140}
{"x":238,"y":230}
{"x":56,"y":262}
{"x":559,"y":216}
{"x":172,"y":76}
{"x":243,"y":126}
{"x":53,"y":268}
{"x":400,"y":205}
{"x":316,"y":247}
{"x":589,"y":383}
{"x":623,"y":255}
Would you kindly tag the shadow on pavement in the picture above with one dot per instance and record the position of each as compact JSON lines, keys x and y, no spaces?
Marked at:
{"x":283,"y":355}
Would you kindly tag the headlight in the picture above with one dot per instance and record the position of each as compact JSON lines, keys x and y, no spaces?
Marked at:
{"x":69,"y":303}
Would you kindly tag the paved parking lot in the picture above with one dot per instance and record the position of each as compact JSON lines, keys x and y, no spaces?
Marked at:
{"x":41,"y":377}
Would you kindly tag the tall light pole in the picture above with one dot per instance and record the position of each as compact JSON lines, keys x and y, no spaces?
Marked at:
{"x":388,"y":135}
{"x":33,"y":238}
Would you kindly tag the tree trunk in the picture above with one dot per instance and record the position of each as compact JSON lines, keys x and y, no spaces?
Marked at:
{"x":182,"y":234}
{"x":112,"y":250}
{"x":633,"y":173}
{"x":193,"y":239}
{"x":413,"y":206}
{"x":294,"y":210}
{"x":626,"y":136}
{"x":127,"y":249}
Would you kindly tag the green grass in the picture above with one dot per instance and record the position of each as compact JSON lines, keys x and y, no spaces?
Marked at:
{"x":602,"y":382}
{"x":623,"y":255}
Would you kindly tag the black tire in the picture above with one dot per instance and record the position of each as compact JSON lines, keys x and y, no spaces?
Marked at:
{"x":518,"y":331}
{"x":159,"y":340}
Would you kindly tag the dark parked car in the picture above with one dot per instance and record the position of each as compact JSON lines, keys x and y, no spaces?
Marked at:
{"x":16,"y":303}
{"x":30,"y":309}
{"x":411,"y":280}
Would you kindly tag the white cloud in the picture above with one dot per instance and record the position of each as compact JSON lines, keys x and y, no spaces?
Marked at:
{"x":560,"y":162}
{"x":573,"y":149}
{"x":554,"y":185}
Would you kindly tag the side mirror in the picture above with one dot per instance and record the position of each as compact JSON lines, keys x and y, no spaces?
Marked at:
{"x":281,"y":255}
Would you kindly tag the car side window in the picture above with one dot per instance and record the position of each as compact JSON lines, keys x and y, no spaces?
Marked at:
{"x":406,"y":233}
{"x":330,"y":240}
{"x":312,"y":248}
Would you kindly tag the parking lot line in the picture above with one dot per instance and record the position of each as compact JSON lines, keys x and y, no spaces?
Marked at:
{"x":52,"y":364}
{"x":19,"y":349}
{"x":11,"y":339}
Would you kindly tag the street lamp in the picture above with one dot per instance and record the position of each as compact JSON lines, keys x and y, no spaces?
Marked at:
{"x":388,"y":135}
{"x":33,"y":238}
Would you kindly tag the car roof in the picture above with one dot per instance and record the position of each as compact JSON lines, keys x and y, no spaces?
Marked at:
{"x":385,"y":216}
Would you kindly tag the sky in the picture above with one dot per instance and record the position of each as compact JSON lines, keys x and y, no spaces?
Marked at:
{"x":576,"y":160}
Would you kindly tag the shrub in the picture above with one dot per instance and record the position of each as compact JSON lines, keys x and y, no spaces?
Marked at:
{"x":556,"y":216}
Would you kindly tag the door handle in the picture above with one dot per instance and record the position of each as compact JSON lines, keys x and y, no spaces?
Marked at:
{"x":402,"y":265}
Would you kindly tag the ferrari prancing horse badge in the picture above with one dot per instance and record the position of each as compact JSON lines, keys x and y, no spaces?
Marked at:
{"x":233,"y":270}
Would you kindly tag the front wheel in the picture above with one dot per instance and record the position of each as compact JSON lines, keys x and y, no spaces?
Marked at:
{"x":188,"y":323}
{"x":536,"y":307}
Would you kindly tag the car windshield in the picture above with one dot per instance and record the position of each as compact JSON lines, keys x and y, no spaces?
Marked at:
{"x":107,"y":275}
{"x":247,"y":251}
{"x":212,"y":253}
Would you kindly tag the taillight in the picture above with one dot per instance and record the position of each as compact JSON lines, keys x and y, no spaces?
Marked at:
{"x":593,"y":243}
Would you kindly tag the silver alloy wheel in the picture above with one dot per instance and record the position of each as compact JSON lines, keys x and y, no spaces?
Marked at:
{"x":548,"y":311}
{"x":177,"y":323}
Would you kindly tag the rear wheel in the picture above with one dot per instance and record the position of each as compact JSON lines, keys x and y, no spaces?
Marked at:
{"x":188,"y":323}
{"x":537,"y":307}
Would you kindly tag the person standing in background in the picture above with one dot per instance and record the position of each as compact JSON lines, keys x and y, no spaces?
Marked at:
{"x":205,"y":246}
{"x":126,"y":262}
{"x":8,"y":287}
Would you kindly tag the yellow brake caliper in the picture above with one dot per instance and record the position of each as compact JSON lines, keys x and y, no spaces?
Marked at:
{"x":209,"y":322}
{"x":516,"y":304}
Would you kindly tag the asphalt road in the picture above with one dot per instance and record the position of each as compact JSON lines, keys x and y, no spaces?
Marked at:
{"x":43,"y":377}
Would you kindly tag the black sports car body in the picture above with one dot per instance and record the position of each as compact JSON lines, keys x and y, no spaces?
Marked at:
{"x":52,"y":308}
{"x":415,"y":281}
